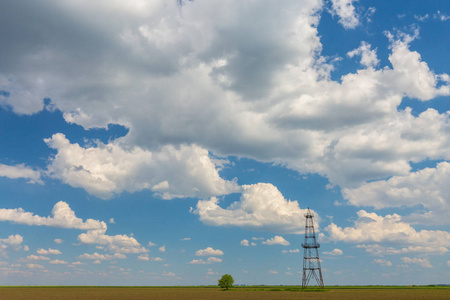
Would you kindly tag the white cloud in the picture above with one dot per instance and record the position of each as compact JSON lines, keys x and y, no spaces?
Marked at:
{"x":35,"y":266}
{"x":26,"y":248}
{"x":96,"y":256}
{"x":58,"y":241}
{"x":162,"y":249}
{"x":36,"y":257}
{"x":428,"y":187}
{"x":272,"y":272}
{"x":421,"y":18}
{"x":412,"y":75}
{"x":13,"y":240}
{"x":58,"y":262}
{"x":156,"y":259}
{"x":211,"y":272}
{"x":186,"y":239}
{"x":62,"y":216}
{"x":290,"y":251}
{"x":440,"y":16}
{"x":378,"y":250}
{"x":171,"y":274}
{"x":49,"y":251}
{"x":187,"y":84}
{"x":213,"y":259}
{"x":109,"y":169}
{"x":261,"y":207}
{"x":11,"y":244}
{"x":334,"y":252}
{"x":143,"y":257}
{"x":197,"y":262}
{"x":209,"y":251}
{"x":368,"y":57}
{"x":423,"y":262}
{"x":120,"y":243}
{"x":111,"y":221}
{"x":370,"y":227}
{"x":244,"y":243}
{"x":276,"y":240}
{"x":210,"y":260}
{"x":346,"y":12}
{"x":150,"y":244}
{"x":21,"y":171}
{"x":383,"y":262}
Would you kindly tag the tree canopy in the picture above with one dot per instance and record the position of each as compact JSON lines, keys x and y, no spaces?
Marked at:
{"x":226,"y":281}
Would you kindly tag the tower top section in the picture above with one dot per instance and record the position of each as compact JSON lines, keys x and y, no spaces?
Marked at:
{"x":309,"y":214}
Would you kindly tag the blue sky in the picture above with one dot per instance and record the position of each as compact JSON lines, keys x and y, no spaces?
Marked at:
{"x":171,"y":142}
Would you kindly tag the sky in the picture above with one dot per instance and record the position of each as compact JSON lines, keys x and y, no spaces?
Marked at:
{"x":171,"y":142}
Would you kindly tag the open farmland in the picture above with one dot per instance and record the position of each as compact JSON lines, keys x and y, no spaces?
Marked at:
{"x":215,"y":293}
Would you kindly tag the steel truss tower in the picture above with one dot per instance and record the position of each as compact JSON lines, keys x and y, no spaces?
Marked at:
{"x":311,"y":261}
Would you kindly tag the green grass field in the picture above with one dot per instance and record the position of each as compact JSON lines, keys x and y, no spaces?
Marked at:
{"x":248,"y":292}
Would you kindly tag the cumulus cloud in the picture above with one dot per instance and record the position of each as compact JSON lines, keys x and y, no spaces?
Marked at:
{"x":422,"y":83}
{"x":245,"y":243}
{"x":49,"y":251}
{"x":36,"y":257}
{"x":383,"y":262}
{"x":11,"y":243}
{"x":261,"y":207}
{"x":423,"y":262}
{"x":62,"y":216}
{"x":346,"y":12}
{"x":12,"y":240}
{"x":209,"y":251}
{"x":188,"y":84}
{"x":143,"y":257}
{"x":96,"y":256}
{"x":370,"y":227}
{"x":290,"y":251}
{"x":21,"y":171}
{"x":276,"y":240}
{"x":378,"y":250}
{"x":58,"y":262}
{"x":210,"y":260}
{"x":156,"y":259}
{"x":109,"y":169}
{"x":334,"y":252}
{"x":427,"y":187}
{"x":368,"y":57}
{"x":162,"y":249}
{"x":58,"y":241}
{"x":120,"y":243}
{"x":35,"y":266}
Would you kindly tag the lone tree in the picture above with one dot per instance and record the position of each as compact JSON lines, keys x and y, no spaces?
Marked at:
{"x":226,"y":281}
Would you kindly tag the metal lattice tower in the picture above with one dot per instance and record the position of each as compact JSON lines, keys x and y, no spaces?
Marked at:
{"x":311,"y":261}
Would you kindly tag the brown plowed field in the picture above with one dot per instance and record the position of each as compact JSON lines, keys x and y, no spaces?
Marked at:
{"x":47,"y":293}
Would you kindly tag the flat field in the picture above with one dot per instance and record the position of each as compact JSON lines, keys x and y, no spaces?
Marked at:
{"x":217,"y":294}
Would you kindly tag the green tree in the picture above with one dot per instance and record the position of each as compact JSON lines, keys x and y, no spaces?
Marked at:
{"x":226,"y":281}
